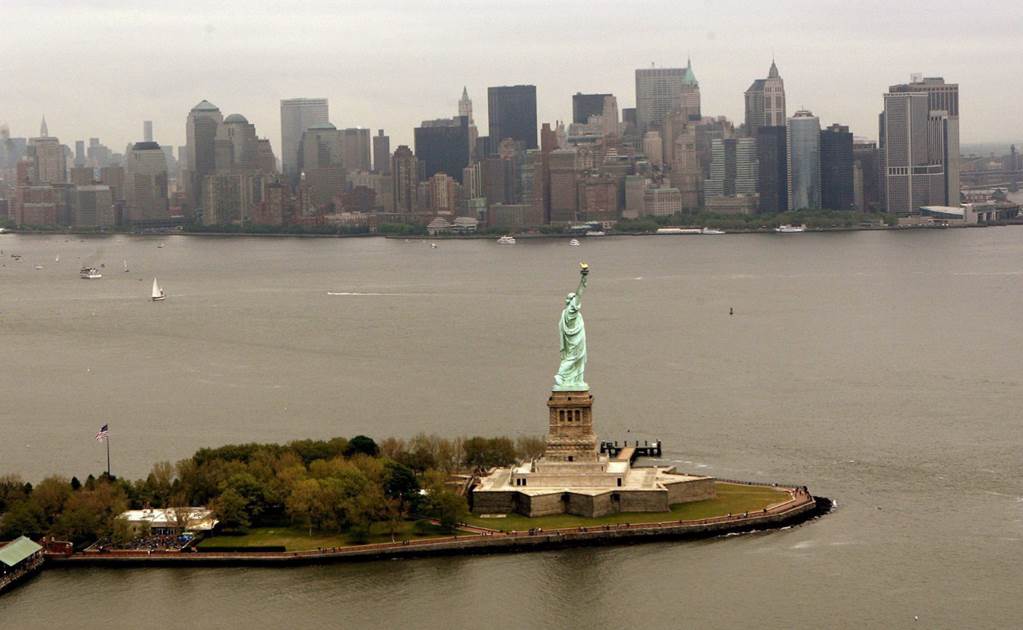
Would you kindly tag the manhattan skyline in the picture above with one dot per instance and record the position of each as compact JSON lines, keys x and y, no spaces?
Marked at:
{"x":396,"y":64}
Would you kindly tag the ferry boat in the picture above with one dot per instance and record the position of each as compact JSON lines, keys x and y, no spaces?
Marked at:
{"x":89,"y":273}
{"x":790,"y":229}
{"x":707,"y":230}
{"x":574,"y":242}
{"x":506,"y":240}
{"x":158,"y":294}
{"x":678,"y":230}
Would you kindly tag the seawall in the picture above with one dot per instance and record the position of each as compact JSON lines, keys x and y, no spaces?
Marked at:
{"x":793,"y":512}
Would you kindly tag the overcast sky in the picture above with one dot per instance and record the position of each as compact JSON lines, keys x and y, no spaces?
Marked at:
{"x":100,"y":67}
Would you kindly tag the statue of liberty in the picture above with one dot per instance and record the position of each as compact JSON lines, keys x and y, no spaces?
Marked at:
{"x":573,"y":341}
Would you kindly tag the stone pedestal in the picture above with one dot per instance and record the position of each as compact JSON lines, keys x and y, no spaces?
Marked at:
{"x":570,"y":436}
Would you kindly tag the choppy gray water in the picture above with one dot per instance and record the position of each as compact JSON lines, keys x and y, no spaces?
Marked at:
{"x":881,"y":369}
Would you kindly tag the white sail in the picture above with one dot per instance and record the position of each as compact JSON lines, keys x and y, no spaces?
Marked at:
{"x":126,"y":264}
{"x":157,"y":291}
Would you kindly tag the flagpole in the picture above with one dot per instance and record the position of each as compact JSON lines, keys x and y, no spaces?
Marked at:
{"x":108,"y":455}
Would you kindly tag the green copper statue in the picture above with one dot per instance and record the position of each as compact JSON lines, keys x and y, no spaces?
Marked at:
{"x":573,"y":341}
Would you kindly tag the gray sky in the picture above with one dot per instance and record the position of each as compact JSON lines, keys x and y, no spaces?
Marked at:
{"x":100,"y":67}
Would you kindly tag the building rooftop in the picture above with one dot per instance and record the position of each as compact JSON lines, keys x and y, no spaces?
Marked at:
{"x":199,"y":519}
{"x":205,"y":106}
{"x":321,"y":127}
{"x":17,"y":550}
{"x":236,"y":118}
{"x":145,"y":146}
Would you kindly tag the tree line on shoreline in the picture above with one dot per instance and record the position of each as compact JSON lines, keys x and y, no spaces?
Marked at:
{"x":338,"y":485}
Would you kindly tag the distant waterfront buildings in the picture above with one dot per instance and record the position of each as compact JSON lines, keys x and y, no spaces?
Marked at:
{"x":511,"y":111}
{"x":803,"y":139}
{"x":297,"y":115}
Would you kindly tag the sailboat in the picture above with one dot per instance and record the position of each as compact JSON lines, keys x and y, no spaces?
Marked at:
{"x":57,"y":259}
{"x":158,"y":294}
{"x":125,"y":266}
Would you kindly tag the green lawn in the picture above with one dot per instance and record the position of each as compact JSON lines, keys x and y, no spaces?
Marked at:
{"x":731,"y":498}
{"x":298,"y":539}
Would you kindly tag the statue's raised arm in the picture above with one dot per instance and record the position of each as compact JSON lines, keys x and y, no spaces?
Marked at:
{"x":573,"y":341}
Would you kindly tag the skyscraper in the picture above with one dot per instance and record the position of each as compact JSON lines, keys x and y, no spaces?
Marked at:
{"x":49,"y":164}
{"x":733,"y":168}
{"x":145,"y":175}
{"x":297,"y":115}
{"x":511,"y":110}
{"x":772,"y":158}
{"x":803,"y":138}
{"x":201,"y":129}
{"x":147,"y":130}
{"x":586,"y":105}
{"x":443,"y":146}
{"x":405,"y":172}
{"x":913,"y":151}
{"x":865,"y":155}
{"x":321,"y":163}
{"x":765,"y":102}
{"x":658,"y":92}
{"x":381,"y":153}
{"x":941,"y":98}
{"x":689,"y":97}
{"x":837,"y":191}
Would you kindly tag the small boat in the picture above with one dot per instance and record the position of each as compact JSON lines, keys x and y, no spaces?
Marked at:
{"x":707,"y":230}
{"x":125,"y":266}
{"x":89,"y":273}
{"x":596,"y":233}
{"x":790,"y":229}
{"x":506,"y":240}
{"x":158,"y":294}
{"x":159,"y":245}
{"x":39,"y":266}
{"x":57,"y":259}
{"x":433,"y":245}
{"x":574,"y":242}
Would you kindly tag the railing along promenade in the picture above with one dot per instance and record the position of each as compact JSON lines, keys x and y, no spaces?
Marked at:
{"x":478,"y":540}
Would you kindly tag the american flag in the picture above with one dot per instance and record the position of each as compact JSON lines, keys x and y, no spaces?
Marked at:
{"x":104,"y":431}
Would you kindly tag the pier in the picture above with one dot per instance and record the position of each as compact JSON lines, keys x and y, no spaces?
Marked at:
{"x":630,"y":452}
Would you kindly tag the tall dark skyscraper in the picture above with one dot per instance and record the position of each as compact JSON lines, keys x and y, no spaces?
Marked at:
{"x":867,"y":160}
{"x":511,"y":110}
{"x":837,"y":168}
{"x":443,"y":146}
{"x":381,"y":153}
{"x":586,"y":105}
{"x":773,"y":173}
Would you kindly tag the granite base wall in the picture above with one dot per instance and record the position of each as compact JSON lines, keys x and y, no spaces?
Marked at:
{"x":686,"y":491}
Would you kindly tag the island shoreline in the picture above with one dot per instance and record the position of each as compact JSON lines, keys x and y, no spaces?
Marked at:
{"x":789,"y":514}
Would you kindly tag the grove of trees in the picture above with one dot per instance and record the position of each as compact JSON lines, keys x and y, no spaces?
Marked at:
{"x":336,"y":485}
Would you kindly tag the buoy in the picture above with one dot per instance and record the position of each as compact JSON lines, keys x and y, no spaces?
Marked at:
{"x":731,"y":311}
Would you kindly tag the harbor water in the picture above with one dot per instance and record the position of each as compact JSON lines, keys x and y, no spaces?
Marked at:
{"x":881,"y":369}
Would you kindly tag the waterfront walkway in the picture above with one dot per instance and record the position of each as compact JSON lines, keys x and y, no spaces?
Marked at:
{"x":800,"y":506}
